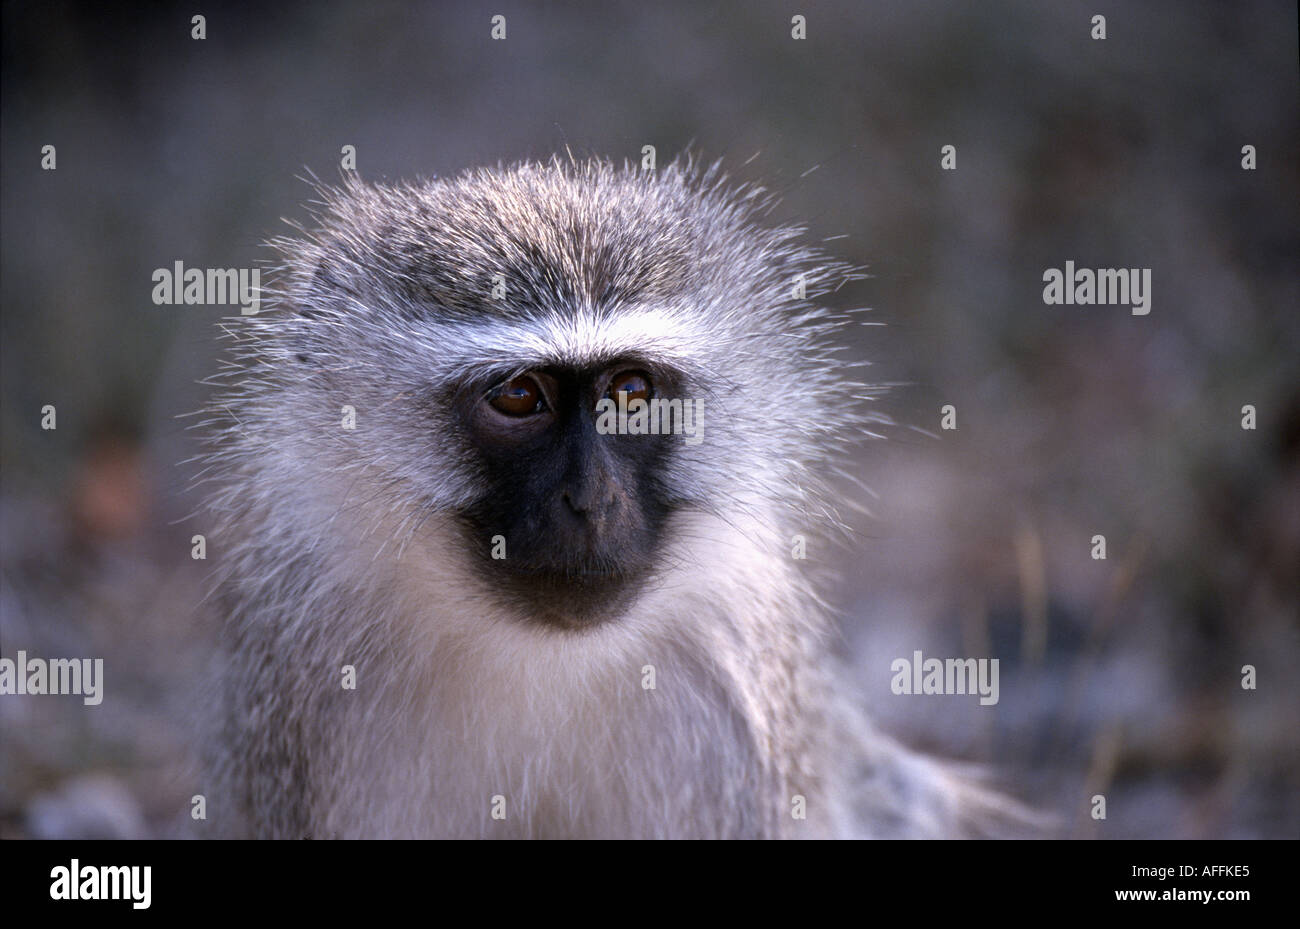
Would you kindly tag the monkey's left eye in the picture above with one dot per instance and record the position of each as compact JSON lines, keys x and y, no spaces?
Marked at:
{"x":519,"y":397}
{"x":636,"y":384}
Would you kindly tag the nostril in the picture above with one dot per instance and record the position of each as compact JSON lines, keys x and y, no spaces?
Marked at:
{"x":576,"y":506}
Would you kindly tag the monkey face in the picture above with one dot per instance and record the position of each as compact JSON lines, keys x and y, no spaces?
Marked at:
{"x":476,"y":325}
{"x":571,"y":520}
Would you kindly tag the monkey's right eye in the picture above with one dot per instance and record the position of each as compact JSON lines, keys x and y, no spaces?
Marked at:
{"x":519,"y":397}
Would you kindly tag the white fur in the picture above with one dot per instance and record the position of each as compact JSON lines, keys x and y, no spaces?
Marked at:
{"x":484,"y":703}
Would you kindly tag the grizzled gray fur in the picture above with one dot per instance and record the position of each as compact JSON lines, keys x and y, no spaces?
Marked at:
{"x":653,"y":667}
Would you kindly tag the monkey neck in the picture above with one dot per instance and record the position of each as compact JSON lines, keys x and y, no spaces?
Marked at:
{"x":697,"y":711}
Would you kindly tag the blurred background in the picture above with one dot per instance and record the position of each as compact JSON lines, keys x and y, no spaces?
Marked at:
{"x":1119,"y":677}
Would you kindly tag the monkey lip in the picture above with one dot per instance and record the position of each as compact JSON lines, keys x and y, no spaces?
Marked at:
{"x":575,"y":580}
{"x":570,"y":575}
{"x":572,"y":596}
{"x":563,"y":567}
{"x":604,"y":574}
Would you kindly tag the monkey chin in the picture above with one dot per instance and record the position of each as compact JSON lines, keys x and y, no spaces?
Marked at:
{"x":573,"y":602}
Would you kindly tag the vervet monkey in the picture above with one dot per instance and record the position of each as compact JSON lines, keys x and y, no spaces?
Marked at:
{"x":461,"y":605}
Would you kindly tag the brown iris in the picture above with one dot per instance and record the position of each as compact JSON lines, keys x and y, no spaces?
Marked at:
{"x":519,"y":397}
{"x":636,"y":384}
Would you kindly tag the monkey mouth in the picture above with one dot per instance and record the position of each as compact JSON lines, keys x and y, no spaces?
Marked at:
{"x":571,"y":574}
{"x":594,"y":575}
{"x":571,"y":597}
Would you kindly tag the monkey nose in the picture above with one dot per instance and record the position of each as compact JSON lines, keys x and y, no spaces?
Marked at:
{"x":571,"y":499}
{"x":589,"y":504}
{"x":582,"y":491}
{"x":585,"y":503}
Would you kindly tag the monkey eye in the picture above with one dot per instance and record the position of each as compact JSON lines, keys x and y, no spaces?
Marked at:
{"x":636,"y":384}
{"x":519,"y":397}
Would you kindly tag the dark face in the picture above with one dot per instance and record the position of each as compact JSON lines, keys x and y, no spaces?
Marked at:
{"x":580,"y":512}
